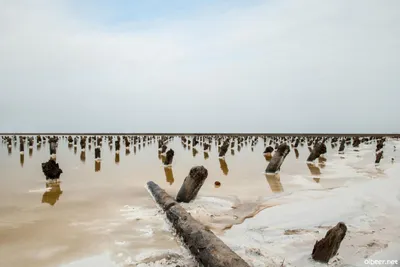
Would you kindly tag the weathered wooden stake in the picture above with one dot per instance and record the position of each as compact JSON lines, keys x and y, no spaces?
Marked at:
{"x":97,"y":153}
{"x":319,"y":149}
{"x":192,"y":184}
{"x":51,"y":169}
{"x":224,"y":149}
{"x":278,"y":158}
{"x":169,"y":157}
{"x":327,"y":247}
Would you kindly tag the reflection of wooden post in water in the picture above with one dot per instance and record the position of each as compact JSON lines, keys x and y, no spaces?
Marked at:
{"x":53,"y":195}
{"x":30,"y":152}
{"x":274,"y":181}
{"x":314,"y":169}
{"x":232,"y":151}
{"x":75,"y":149}
{"x":206,"y":156}
{"x":21,"y":159}
{"x":224,"y":166}
{"x":169,"y":175}
{"x":9,"y":150}
{"x":194,"y":152}
{"x":134,"y":150}
{"x":117,"y":158}
{"x":97,"y":166}
{"x":83,"y":156}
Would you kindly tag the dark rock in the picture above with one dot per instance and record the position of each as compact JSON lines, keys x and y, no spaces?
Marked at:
{"x":51,"y":169}
{"x":192,"y":184}
{"x":328,"y":247}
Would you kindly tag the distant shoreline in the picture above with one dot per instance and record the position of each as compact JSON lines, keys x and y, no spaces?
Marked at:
{"x":224,"y":134}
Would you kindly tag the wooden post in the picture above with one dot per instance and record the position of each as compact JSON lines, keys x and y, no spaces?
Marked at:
{"x":318,"y":150}
{"x":327,"y":247}
{"x":207,"y":249}
{"x":278,"y":158}
{"x":224,"y":149}
{"x":192,"y":184}
{"x":342,"y":146}
{"x":51,"y":169}
{"x":169,"y":157}
{"x":97,"y":153}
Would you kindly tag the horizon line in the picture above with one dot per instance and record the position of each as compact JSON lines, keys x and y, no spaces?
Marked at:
{"x":187,"y":133}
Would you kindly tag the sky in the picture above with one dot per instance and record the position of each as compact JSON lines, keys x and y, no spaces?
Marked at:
{"x":199,"y":66}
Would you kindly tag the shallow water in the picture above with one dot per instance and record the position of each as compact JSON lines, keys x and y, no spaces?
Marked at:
{"x":104,"y":208}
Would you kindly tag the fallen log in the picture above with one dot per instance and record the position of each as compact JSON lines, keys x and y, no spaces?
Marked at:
{"x":327,"y":247}
{"x":207,"y":249}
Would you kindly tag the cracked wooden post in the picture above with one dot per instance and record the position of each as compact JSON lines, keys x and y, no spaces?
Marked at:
{"x":169,"y":157}
{"x":379,"y":152}
{"x":51,"y":170}
{"x":21,"y":147}
{"x":117,"y":146}
{"x":318,"y":150}
{"x":195,"y":141}
{"x":342,"y":146}
{"x":204,"y":245}
{"x":192,"y":184}
{"x":224,"y":149}
{"x":268,"y":152}
{"x":327,"y":247}
{"x":278,"y":158}
{"x":97,"y":153}
{"x":53,"y":147}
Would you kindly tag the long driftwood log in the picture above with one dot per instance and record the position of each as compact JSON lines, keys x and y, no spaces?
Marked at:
{"x":207,"y":249}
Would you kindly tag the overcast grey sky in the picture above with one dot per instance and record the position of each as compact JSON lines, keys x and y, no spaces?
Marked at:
{"x":200,"y":66}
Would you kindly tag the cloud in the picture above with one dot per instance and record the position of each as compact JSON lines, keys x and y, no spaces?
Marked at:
{"x":276,"y":66}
